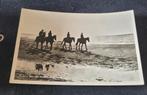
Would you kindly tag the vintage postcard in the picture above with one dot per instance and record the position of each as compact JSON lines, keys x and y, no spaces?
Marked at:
{"x":57,"y":48}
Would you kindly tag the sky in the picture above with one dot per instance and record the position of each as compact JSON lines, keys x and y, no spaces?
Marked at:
{"x":91,"y":25}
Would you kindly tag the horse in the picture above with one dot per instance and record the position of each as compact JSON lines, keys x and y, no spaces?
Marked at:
{"x":69,"y":41}
{"x":80,"y":42}
{"x":40,"y":39}
{"x":50,"y":39}
{"x":39,"y":67}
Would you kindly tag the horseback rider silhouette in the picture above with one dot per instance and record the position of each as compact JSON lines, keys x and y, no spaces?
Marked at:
{"x":81,"y":41}
{"x":68,"y":40}
{"x":41,"y":32}
{"x":50,"y":34}
{"x":40,"y":39}
{"x":50,"y":39}
{"x":68,"y":35}
{"x":82,"y":36}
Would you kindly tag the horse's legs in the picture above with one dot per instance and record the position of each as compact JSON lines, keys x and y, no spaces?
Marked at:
{"x":81,"y":47}
{"x":70,"y":47}
{"x":86,"y":47}
{"x":51,"y":44}
{"x":36,"y":45}
{"x":76,"y":47}
{"x":46,"y":44}
{"x":41,"y":45}
{"x":63,"y":45}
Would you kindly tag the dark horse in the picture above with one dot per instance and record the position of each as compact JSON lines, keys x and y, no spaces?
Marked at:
{"x":69,"y":41}
{"x":80,"y":42}
{"x":50,"y":39}
{"x":40,"y":39}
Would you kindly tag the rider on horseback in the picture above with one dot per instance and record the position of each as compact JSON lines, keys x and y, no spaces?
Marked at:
{"x":50,"y":39}
{"x":68,"y":40}
{"x":82,"y":36}
{"x":40,"y":38}
{"x":81,"y":41}
{"x":50,"y":34}
{"x":41,"y":32}
{"x":68,"y":35}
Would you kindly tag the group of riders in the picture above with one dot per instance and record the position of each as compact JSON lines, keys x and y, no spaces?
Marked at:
{"x":67,"y":40}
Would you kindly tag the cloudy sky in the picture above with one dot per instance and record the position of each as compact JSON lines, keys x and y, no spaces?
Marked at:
{"x":92,"y":25}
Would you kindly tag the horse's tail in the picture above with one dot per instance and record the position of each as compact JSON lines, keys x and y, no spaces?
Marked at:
{"x":62,"y":42}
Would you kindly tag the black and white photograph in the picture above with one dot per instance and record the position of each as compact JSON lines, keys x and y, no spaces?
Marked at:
{"x":58,"y":48}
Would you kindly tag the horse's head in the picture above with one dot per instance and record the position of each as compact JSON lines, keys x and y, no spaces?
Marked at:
{"x":54,"y":37}
{"x":88,"y":39}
